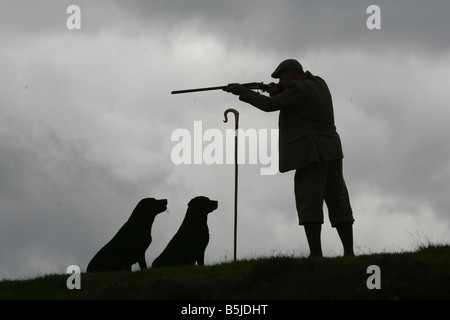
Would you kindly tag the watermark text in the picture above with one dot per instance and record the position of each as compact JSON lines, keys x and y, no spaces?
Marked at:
{"x":212,"y":146}
{"x":74,"y":280}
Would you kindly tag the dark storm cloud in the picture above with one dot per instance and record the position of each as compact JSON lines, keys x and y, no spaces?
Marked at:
{"x":303,"y":25}
{"x":286,"y":25}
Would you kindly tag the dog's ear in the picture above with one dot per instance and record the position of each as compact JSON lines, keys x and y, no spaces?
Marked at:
{"x":198,"y":201}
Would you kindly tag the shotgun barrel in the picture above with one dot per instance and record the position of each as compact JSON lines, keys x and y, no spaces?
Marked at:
{"x":250,"y":85}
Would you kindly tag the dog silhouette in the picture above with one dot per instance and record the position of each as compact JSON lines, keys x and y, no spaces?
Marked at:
{"x":188,"y":245}
{"x":129,"y":244}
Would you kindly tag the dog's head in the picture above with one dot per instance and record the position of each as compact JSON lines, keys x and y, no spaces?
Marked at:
{"x":202,"y":204}
{"x":148,"y":208}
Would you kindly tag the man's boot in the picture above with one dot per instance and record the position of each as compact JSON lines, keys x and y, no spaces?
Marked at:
{"x":345,"y":231}
{"x":313,"y":230}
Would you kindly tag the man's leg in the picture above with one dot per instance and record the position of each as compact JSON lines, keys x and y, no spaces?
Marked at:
{"x":313,"y":230}
{"x":310,"y":184}
{"x":345,"y":231}
{"x":339,"y":208}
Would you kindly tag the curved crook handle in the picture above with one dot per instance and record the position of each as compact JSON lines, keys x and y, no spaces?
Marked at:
{"x":236,"y":116}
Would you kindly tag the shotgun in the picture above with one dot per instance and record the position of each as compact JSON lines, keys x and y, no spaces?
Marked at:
{"x":250,"y":85}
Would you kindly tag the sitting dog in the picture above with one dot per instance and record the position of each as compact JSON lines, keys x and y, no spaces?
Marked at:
{"x":189,"y":243}
{"x":128,"y":246}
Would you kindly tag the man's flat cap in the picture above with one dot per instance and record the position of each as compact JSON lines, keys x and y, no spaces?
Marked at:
{"x":289,"y":64}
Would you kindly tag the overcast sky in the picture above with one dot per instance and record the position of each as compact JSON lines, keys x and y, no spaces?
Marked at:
{"x":86,"y":119}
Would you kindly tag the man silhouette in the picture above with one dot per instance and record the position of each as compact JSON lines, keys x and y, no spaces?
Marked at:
{"x":309,"y":144}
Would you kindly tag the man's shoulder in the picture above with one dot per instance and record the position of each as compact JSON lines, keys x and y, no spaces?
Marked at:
{"x":306,"y":80}
{"x":309,"y":77}
{"x":310,"y":84}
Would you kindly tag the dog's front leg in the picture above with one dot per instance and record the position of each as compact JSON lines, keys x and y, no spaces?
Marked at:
{"x":201,"y":259}
{"x":142,"y":263}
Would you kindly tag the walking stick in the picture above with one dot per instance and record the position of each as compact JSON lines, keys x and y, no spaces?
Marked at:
{"x":236,"y":116}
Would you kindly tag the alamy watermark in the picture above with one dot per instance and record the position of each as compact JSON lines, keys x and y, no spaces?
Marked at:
{"x":73,"y":22}
{"x":374,"y":20}
{"x":74,"y":280}
{"x":212,"y":146}
{"x":374,"y":280}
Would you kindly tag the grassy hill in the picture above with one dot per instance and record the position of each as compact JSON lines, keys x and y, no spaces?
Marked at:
{"x":422,"y":274}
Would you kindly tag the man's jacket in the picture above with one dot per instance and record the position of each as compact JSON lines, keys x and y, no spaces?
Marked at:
{"x":307,"y":132}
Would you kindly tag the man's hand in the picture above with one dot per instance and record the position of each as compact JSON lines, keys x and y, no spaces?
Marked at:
{"x":234,"y":88}
{"x":274,"y":89}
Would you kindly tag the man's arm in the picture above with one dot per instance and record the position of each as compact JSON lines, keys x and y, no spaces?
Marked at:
{"x":290,"y":97}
